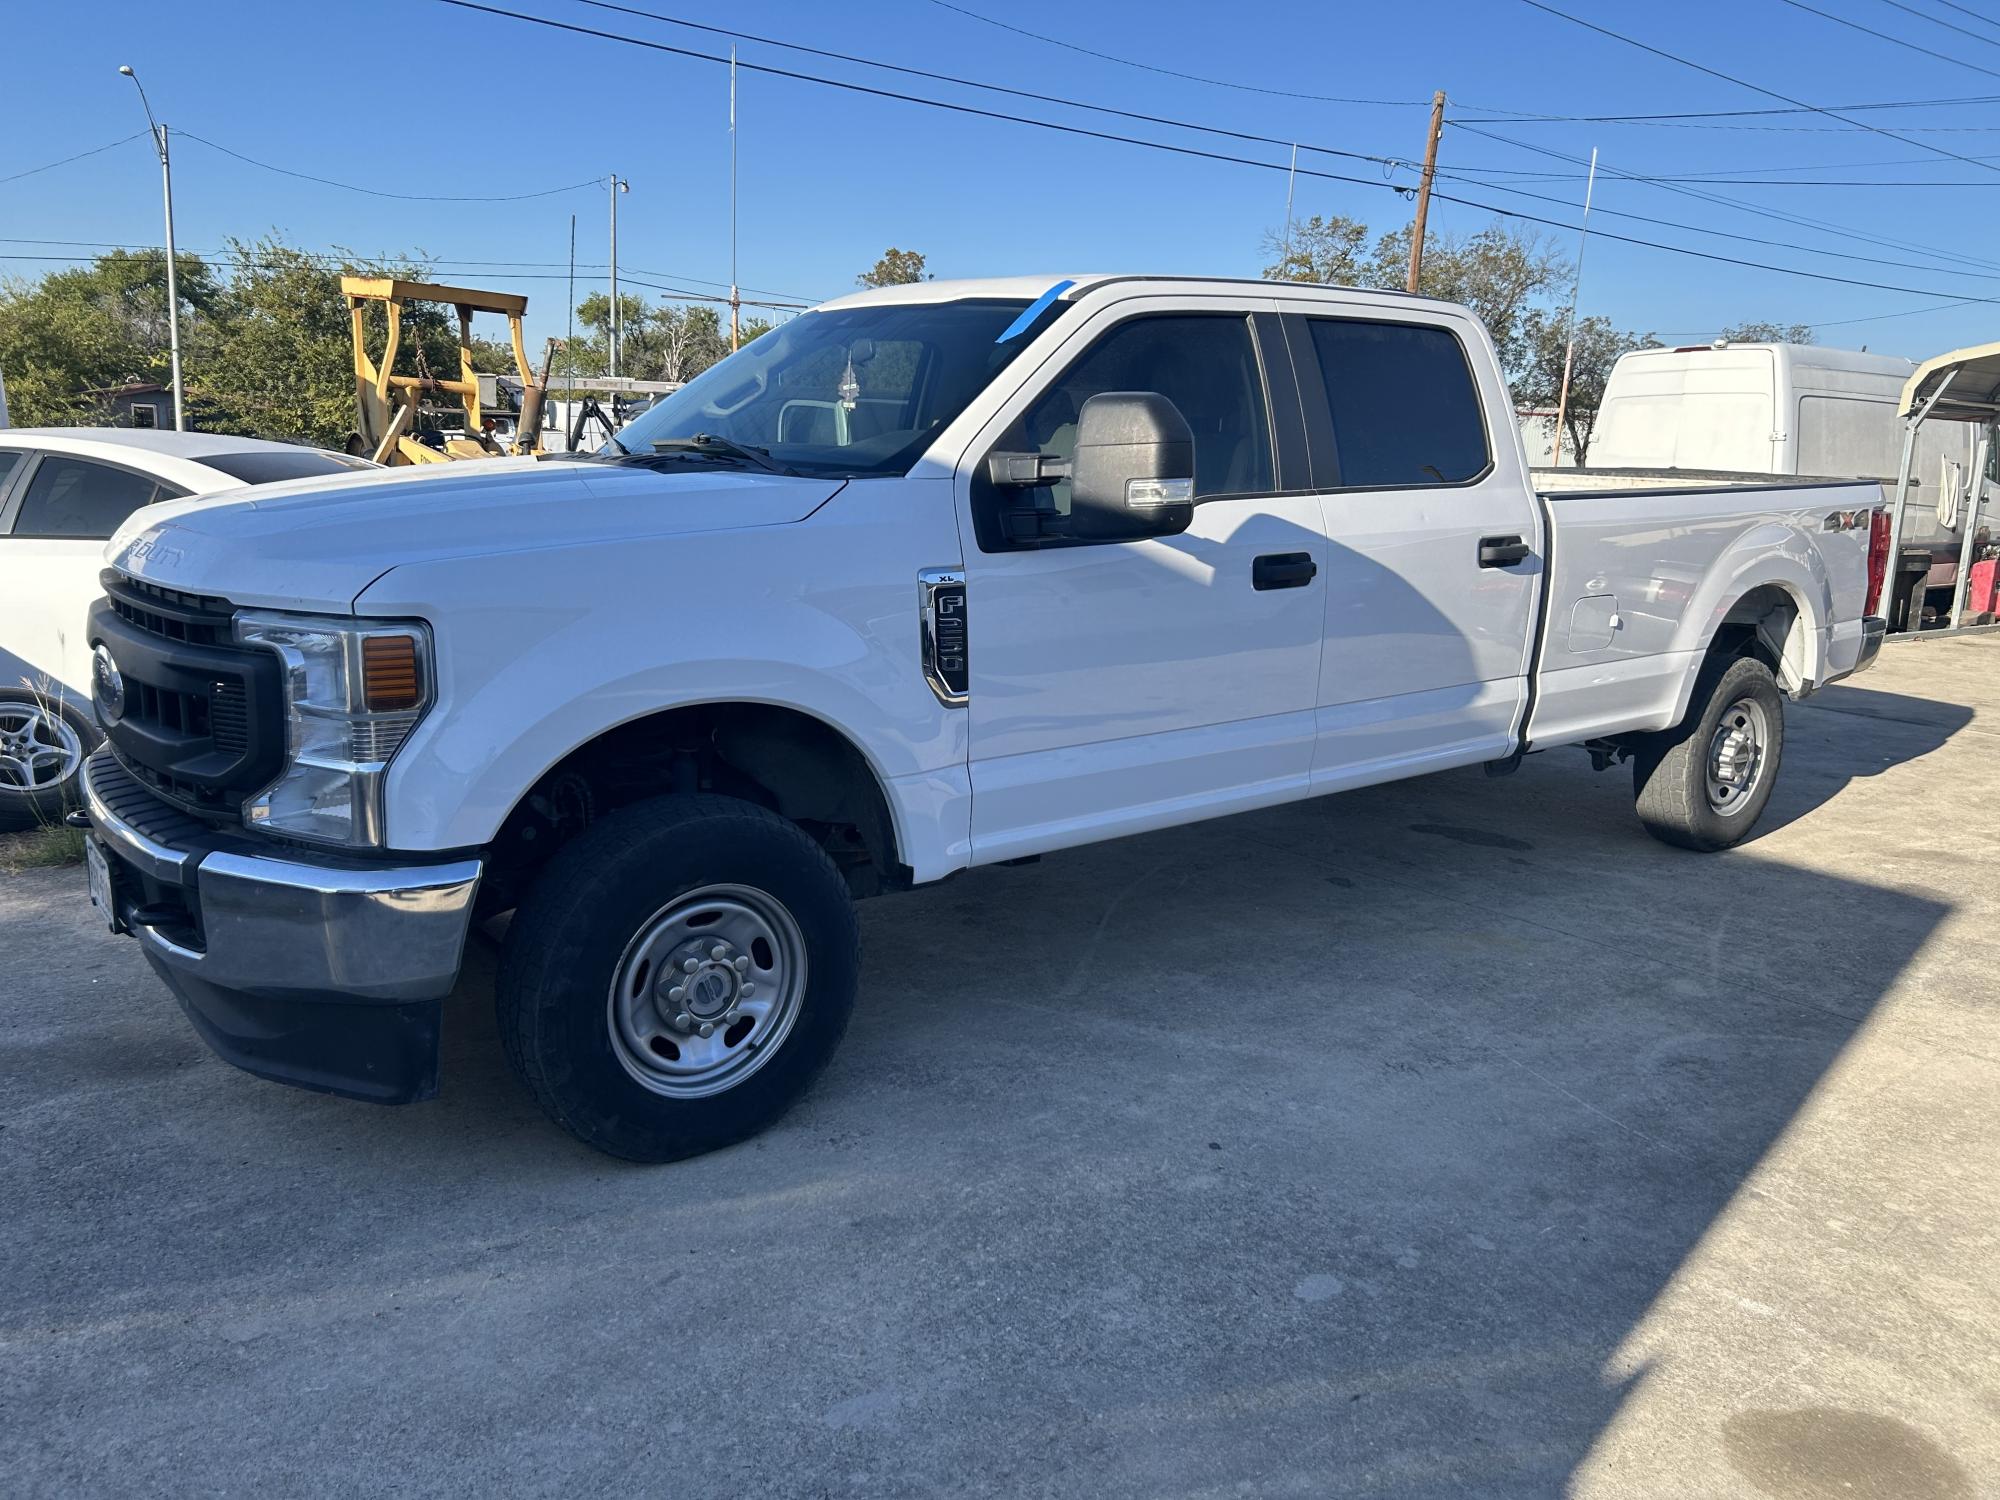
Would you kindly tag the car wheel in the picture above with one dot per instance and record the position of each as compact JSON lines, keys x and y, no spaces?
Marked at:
{"x":1704,"y":784}
{"x":43,"y":741}
{"x":678,"y":976}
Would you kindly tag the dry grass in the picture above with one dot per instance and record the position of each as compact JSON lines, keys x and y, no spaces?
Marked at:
{"x":40,"y":848}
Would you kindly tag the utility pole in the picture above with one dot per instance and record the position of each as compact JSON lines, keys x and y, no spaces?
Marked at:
{"x":173,"y":288}
{"x":617,"y":187}
{"x":1424,"y":193}
{"x":1569,"y":338}
{"x":735,"y":301}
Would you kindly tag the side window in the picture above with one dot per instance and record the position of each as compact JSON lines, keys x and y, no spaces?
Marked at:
{"x":1405,"y":405}
{"x":1205,"y":364}
{"x":72,"y":497}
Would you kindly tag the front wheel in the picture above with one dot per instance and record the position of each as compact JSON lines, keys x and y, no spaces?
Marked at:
{"x":1704,"y":784}
{"x":678,"y":976}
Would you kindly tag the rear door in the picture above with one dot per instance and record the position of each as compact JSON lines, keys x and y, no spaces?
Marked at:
{"x":55,"y":516}
{"x":1434,"y":541}
{"x":1117,"y":686}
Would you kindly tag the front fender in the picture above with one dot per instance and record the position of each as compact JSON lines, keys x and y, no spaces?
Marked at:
{"x":539,"y":653}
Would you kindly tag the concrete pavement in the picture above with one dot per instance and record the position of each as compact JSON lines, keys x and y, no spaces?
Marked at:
{"x":1450,"y":1138}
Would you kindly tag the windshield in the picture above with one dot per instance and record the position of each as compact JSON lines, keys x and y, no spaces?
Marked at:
{"x":855,"y":391}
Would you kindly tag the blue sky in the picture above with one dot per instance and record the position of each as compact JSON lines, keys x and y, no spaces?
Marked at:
{"x":829,"y":179}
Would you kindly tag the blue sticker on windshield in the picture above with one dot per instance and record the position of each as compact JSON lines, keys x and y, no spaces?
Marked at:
{"x":1034,"y":310}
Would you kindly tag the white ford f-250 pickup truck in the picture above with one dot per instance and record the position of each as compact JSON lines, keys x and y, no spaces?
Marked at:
{"x":930,"y":577}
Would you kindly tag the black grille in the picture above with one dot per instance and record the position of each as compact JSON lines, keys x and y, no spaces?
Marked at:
{"x":197,"y":619}
{"x":200,"y":722}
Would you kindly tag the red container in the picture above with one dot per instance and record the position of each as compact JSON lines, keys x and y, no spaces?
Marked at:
{"x":1982,"y":595}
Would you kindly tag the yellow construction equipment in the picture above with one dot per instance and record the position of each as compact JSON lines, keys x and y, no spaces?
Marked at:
{"x":387,"y":402}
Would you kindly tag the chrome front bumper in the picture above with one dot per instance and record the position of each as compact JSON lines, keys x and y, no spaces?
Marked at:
{"x":327,"y":975}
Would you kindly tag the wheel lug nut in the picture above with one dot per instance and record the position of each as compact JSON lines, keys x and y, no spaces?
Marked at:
{"x":683,"y":1020}
{"x":731,"y":1014}
{"x":719,"y":951}
{"x":741,"y":963}
{"x":676,"y":993}
{"x":746,"y":989}
{"x":707,"y":1029}
{"x":690,"y":966}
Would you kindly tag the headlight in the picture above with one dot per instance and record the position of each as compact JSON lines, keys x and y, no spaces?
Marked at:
{"x":354,"y":689}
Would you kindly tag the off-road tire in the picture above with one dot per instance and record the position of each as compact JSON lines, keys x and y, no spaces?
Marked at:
{"x":589,"y":904}
{"x":1670,"y":770}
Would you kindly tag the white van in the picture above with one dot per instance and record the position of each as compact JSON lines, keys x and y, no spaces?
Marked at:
{"x":1792,"y":409}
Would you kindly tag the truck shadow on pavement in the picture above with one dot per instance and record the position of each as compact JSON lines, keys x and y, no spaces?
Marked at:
{"x":1337,"y":1149}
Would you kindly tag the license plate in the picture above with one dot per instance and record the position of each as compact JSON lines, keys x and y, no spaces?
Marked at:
{"x":100,"y":883}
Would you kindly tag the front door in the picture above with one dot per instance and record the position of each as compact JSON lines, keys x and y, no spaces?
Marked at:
{"x":1121,"y":686}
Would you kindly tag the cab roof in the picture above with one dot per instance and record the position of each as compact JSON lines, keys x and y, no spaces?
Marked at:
{"x":1029,"y":288}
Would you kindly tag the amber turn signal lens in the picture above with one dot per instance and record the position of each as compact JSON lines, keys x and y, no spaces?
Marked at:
{"x":389,"y":678}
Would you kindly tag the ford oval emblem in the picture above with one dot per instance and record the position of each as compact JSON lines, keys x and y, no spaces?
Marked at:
{"x":109,"y":682}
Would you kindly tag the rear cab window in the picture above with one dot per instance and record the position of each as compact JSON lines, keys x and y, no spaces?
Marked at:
{"x":1402,"y":403}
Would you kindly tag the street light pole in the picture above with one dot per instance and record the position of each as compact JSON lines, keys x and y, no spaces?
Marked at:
{"x":617,"y":187}
{"x":173,"y":287}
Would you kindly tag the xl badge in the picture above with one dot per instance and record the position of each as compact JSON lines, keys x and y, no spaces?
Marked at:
{"x":109,"y":682}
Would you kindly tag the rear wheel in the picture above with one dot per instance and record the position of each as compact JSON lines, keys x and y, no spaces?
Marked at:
{"x":678,"y":976}
{"x":42,"y":745}
{"x":1704,"y":784}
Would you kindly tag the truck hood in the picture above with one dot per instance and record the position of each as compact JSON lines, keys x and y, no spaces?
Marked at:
{"x":316,"y":544}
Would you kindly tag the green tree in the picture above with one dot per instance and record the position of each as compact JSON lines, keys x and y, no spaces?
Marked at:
{"x":88,"y":328}
{"x":895,"y":268}
{"x":1598,"y":346}
{"x":656,"y":341}
{"x":1768,"y":333}
{"x":1332,"y":251}
{"x":1500,"y":273}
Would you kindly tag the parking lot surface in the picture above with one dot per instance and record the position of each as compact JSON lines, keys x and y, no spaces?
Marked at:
{"x":1450,"y":1138}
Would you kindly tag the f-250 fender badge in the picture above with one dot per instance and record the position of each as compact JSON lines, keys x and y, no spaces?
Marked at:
{"x":943,"y":637}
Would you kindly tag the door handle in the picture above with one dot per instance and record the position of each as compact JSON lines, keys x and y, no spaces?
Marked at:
{"x":1501,"y":551}
{"x":1283,"y":570}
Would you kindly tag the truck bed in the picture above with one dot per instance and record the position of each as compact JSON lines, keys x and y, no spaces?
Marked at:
{"x":1641,"y":575}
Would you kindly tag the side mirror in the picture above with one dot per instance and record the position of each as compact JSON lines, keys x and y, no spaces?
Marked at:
{"x":1133,"y":474}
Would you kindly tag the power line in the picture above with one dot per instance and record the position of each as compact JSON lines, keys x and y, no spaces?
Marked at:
{"x":1731,"y":114}
{"x":994,"y":88}
{"x":1754,"y":88}
{"x":188,"y":135}
{"x":50,"y":166}
{"x":1748,"y":239}
{"x":1890,"y":38}
{"x":333,"y":261}
{"x":1179,"y":150}
{"x":427,"y":260}
{"x":1722,"y":200}
{"x":1127,"y":62}
{"x":1947,"y":25}
{"x":1983,"y":20}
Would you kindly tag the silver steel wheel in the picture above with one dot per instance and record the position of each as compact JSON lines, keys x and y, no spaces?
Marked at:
{"x":707,"y":992}
{"x":39,"y":751}
{"x":1736,"y":755}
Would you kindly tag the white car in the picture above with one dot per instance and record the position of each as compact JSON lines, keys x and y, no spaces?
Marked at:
{"x":931,"y":577}
{"x":63,"y":491}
